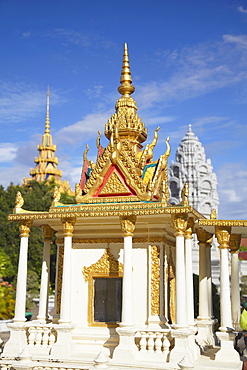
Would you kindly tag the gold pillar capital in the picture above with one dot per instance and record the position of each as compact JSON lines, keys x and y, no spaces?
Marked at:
{"x":24,"y":228}
{"x":203,"y":236}
{"x":47,"y":232}
{"x":180,"y":223}
{"x":223,"y":236}
{"x":234,"y":243}
{"x":190,"y":228}
{"x":68,"y":226}
{"x":128,"y":225}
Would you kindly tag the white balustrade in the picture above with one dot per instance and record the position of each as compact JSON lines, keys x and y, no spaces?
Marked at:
{"x":39,"y":335}
{"x":153,"y":341}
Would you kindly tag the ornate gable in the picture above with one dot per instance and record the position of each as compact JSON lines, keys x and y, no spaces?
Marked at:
{"x":123,"y":168}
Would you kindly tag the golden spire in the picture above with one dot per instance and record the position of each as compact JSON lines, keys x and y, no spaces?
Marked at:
{"x":47,"y":121}
{"x":126,"y":88}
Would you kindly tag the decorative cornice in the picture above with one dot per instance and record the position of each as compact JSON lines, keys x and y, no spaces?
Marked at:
{"x":224,"y":223}
{"x":147,"y":240}
{"x":107,"y":210}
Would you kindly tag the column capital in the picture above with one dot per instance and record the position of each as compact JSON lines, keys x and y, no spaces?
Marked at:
{"x":68,"y":226}
{"x":47,"y":232}
{"x":24,"y":228}
{"x":234,"y":243}
{"x":223,"y":236}
{"x":128,"y":225}
{"x":203,"y":236}
{"x":180,"y":223}
{"x":190,"y":228}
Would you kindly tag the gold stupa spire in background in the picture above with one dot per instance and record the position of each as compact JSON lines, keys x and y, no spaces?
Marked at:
{"x":46,"y":162}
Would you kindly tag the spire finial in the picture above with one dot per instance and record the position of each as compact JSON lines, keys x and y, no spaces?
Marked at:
{"x":47,"y":121}
{"x":190,"y":128}
{"x":126,"y":88}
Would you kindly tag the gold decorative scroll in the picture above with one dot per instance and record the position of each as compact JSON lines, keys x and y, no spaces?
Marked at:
{"x":59,"y":278}
{"x":107,"y":265}
{"x":155,"y":280}
{"x":223,"y":236}
{"x":171,"y":280}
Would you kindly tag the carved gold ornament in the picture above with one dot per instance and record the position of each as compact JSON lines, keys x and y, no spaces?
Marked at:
{"x":59,"y":278}
{"x":68,"y":227}
{"x":203,"y":236}
{"x":223,"y":236}
{"x":190,"y":227}
{"x":213,"y":215}
{"x":235,"y":240}
{"x":114,"y":185}
{"x":19,"y":201}
{"x":107,"y":265}
{"x":24,"y":228}
{"x":47,"y":232}
{"x":128,"y":225}
{"x":171,"y":280}
{"x":155,"y":280}
{"x":180,"y":224}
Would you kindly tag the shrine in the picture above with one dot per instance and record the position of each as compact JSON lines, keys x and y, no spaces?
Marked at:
{"x":124,"y":284}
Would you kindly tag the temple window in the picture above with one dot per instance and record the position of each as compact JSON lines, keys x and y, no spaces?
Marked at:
{"x":107,"y":305}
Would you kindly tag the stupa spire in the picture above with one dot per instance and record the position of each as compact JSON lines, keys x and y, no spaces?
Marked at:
{"x":47,"y":120}
{"x":126,"y":80}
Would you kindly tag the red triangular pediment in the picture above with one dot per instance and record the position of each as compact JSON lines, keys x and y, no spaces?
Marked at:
{"x":114,"y":184}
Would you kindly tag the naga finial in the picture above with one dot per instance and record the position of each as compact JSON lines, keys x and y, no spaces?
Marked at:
{"x":213,"y":215}
{"x":56,"y":196}
{"x":19,"y":201}
{"x":185,"y":194}
{"x":85,"y":152}
{"x":98,"y":139}
{"x":126,"y":80}
{"x":47,"y":121}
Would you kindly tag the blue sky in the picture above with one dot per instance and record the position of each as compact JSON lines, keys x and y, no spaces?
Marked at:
{"x":189,"y":66}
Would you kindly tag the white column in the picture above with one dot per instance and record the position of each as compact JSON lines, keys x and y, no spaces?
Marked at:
{"x":203,"y":236}
{"x":223,"y":237}
{"x":45,"y":275}
{"x":189,"y":276}
{"x":128,"y":226}
{"x":65,"y":311}
{"x":21,"y":286}
{"x":235,"y":294}
{"x":227,"y":353}
{"x":209,"y":280}
{"x":180,"y":225}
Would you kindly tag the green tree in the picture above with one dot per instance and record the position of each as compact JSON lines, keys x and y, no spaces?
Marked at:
{"x":37,"y":197}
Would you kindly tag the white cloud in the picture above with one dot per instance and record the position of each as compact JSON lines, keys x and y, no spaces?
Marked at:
{"x":196,"y":71}
{"x":242,"y":10}
{"x":7,"y":152}
{"x":19,"y":101}
{"x":84,"y":129}
{"x":232,"y":188}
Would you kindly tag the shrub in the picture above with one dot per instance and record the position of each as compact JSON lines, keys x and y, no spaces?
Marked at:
{"x":7,"y":301}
